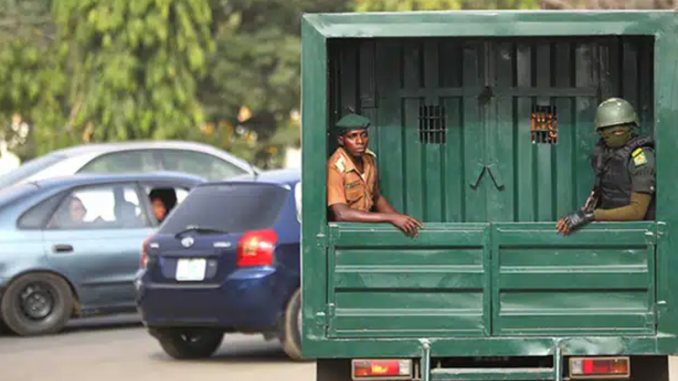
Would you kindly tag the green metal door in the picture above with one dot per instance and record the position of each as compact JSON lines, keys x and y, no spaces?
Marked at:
{"x":383,"y":284}
{"x":598,"y":281}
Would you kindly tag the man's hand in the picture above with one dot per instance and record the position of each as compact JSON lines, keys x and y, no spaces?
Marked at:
{"x":406,"y":223}
{"x":573,"y":221}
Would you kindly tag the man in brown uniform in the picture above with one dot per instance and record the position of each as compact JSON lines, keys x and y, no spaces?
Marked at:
{"x":352,"y":182}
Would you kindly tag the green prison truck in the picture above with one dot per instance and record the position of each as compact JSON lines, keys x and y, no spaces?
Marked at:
{"x":488,"y":290}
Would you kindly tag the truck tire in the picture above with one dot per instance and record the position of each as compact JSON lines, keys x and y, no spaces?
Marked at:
{"x":290,"y":335}
{"x":37,"y":304}
{"x":189,"y":344}
{"x":4,"y":329}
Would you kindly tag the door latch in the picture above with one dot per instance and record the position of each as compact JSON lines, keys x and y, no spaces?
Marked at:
{"x":498,"y":181}
{"x":494,"y":173}
{"x":480,"y":170}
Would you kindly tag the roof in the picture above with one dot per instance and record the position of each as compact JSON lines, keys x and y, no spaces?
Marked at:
{"x":148,"y":144}
{"x":276,"y":176}
{"x":83,"y":179}
{"x":489,"y":23}
{"x":137,"y":144}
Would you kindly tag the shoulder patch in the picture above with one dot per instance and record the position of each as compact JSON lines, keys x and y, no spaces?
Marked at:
{"x":339,"y":164}
{"x":370,"y":152}
{"x":639,"y":159}
{"x":637,"y":152}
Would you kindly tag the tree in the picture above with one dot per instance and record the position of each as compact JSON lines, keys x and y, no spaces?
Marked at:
{"x":30,"y":73}
{"x":135,"y":66}
{"x":256,"y":66}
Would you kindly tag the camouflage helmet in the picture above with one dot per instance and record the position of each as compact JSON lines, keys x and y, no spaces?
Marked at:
{"x":613,"y":112}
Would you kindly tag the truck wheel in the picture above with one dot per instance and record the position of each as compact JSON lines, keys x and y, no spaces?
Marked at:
{"x":290,"y":335}
{"x":37,"y":304}
{"x":189,"y":344}
{"x":4,"y":329}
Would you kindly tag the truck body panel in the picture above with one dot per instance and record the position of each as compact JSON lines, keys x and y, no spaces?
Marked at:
{"x":450,"y":96}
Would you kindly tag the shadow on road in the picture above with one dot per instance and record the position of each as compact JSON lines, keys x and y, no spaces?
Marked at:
{"x":258,"y":356}
{"x":249,"y":356}
{"x":93,"y":327}
{"x":103,"y":323}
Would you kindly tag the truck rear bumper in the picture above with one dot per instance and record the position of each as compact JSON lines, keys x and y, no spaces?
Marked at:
{"x":322,"y":347}
{"x":488,"y":374}
{"x":558,"y":367}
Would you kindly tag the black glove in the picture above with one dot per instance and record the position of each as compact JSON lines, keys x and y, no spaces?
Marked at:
{"x":573,"y":221}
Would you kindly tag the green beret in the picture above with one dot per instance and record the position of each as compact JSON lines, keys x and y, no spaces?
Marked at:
{"x":352,"y":122}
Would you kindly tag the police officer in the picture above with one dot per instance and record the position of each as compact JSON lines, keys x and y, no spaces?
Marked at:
{"x":624,"y":166}
{"x":352,"y":180}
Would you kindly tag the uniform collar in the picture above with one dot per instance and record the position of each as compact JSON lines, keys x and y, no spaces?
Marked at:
{"x":345,"y":163}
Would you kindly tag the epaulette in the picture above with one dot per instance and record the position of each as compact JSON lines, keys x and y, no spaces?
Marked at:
{"x":339,"y":164}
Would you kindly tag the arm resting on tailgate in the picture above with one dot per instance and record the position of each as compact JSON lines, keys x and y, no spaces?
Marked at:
{"x":634,"y":211}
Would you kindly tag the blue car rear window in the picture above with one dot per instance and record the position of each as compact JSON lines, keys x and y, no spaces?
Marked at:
{"x":228,"y":207}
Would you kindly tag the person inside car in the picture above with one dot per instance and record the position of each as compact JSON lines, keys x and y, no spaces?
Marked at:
{"x":71,"y":214}
{"x":162,"y":202}
{"x":77,"y":210}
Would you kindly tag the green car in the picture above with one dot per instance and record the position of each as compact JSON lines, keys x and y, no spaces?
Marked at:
{"x":483,"y":128}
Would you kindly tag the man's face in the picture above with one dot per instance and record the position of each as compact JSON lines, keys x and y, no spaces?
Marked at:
{"x":355,"y":142}
{"x":77,"y":210}
{"x":616,"y":136}
{"x":159,"y":209}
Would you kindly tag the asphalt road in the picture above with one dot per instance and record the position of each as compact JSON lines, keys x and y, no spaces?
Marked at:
{"x":118,"y":348}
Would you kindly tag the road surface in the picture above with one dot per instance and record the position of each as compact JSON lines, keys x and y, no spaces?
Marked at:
{"x":119,"y":349}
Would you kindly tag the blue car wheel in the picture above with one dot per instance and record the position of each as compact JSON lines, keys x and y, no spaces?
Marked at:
{"x":188,"y":344}
{"x":37,"y":304}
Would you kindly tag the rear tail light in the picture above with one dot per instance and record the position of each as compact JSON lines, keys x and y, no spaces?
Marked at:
{"x":390,"y":369}
{"x":600,"y":367}
{"x":144,"y":252}
{"x":255,"y":248}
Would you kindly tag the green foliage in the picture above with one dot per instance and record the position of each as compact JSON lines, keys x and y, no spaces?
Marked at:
{"x":136,"y":66}
{"x":109,"y":70}
{"x":30,"y":73}
{"x":257,"y":65}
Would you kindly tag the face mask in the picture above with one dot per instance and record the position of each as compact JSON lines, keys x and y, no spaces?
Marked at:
{"x":616,"y":136}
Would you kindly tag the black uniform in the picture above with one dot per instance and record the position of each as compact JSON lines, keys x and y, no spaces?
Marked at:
{"x":620,"y":172}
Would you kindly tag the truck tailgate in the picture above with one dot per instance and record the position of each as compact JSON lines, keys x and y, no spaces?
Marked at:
{"x":491,"y":280}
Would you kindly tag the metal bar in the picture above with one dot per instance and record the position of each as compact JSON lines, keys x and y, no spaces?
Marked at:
{"x":558,"y":363}
{"x":425,"y":368}
{"x":521,"y":91}
{"x":493,"y":374}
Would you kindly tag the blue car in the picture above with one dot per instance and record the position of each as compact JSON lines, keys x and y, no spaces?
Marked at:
{"x":227,"y":260}
{"x":71,"y":246}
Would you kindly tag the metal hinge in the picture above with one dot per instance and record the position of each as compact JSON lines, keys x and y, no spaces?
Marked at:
{"x":321,"y":240}
{"x":329,"y":314}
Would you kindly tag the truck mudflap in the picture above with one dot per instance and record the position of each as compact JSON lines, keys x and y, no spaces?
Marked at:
{"x":489,"y":374}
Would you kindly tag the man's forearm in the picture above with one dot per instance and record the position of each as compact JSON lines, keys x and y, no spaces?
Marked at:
{"x":354,"y":215}
{"x":634,"y":211}
{"x":383,"y":206}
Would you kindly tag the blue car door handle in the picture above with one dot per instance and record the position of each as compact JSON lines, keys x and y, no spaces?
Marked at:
{"x":62,"y":248}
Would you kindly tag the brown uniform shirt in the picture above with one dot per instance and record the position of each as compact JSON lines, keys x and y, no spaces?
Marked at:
{"x":345,"y":185}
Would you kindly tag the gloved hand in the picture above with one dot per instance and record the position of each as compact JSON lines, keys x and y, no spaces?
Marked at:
{"x":573,"y":221}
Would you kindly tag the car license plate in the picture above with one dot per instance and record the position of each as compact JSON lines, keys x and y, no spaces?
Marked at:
{"x":191,"y":269}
